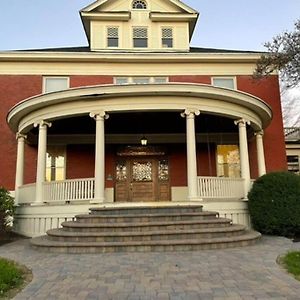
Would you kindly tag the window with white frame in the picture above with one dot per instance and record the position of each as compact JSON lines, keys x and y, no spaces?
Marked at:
{"x":140,"y":80}
{"x":55,"y":163}
{"x":167,"y":37}
{"x":112,"y":37}
{"x":55,"y":83}
{"x":140,"y":37}
{"x":224,"y":82}
{"x":139,"y":4}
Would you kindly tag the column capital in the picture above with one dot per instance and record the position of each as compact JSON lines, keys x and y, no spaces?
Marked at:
{"x":42,"y":123}
{"x":190,"y":112}
{"x":242,"y":122}
{"x":101,"y":115}
{"x":259,"y":133}
{"x":20,"y":135}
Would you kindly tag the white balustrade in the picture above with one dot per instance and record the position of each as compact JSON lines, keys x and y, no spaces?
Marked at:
{"x":220,"y":188}
{"x":69,"y":190}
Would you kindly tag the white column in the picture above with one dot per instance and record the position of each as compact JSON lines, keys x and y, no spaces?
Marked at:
{"x":260,"y":153}
{"x":191,"y":153}
{"x":99,"y":156}
{"x":244,"y":155}
{"x":19,"y":165}
{"x":41,"y":160}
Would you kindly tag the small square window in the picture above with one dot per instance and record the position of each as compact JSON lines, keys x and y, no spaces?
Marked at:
{"x":224,"y":82}
{"x":54,"y":84}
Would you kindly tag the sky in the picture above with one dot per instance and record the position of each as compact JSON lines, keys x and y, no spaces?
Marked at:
{"x":233,"y":24}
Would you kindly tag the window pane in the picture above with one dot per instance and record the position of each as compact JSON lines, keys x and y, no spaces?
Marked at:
{"x":141,"y":80}
{"x":121,"y":80}
{"x":228,"y":157}
{"x":55,"y":164}
{"x":160,"y":79}
{"x":112,"y":42}
{"x":55,"y":84}
{"x":224,"y":82}
{"x":140,"y":43}
{"x":167,"y":43}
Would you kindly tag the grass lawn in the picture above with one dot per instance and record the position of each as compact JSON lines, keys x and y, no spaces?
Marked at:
{"x":291,"y":261}
{"x":12,"y":278}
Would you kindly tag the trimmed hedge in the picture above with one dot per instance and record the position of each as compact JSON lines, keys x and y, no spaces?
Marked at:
{"x":274,"y":204}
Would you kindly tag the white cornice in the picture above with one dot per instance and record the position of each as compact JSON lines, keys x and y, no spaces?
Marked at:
{"x":36,"y":56}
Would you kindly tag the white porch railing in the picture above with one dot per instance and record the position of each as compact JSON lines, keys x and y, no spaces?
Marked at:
{"x":69,"y":190}
{"x":220,"y":187}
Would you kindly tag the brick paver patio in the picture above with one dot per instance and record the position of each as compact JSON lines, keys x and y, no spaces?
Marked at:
{"x":240,"y":273}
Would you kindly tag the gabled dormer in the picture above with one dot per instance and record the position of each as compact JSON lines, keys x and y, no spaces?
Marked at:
{"x":139,"y":25}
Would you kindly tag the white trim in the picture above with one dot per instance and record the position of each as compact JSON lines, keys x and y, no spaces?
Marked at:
{"x":139,"y":97}
{"x":130,"y":79}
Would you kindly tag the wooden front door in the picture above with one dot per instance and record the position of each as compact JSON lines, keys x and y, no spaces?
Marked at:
{"x":142,"y":180}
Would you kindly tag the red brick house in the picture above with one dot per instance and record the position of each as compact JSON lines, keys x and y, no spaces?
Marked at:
{"x":137,"y":116}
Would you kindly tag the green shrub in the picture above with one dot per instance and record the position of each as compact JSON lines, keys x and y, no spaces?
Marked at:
{"x":10,"y":276}
{"x":274,"y":204}
{"x":7,"y":208}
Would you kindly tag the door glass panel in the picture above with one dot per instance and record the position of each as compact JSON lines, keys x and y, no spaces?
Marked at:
{"x":142,"y":171}
{"x":163,"y":170}
{"x":121,"y":171}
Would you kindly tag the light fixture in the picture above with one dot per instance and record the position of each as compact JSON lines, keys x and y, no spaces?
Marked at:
{"x":144,"y":141}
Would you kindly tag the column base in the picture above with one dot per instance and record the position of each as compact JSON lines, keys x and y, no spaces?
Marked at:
{"x":97,"y":201}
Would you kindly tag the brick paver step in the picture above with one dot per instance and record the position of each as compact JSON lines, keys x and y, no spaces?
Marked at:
{"x":146,"y":226}
{"x":171,"y":208}
{"x":177,"y":216}
{"x":43,"y":243}
{"x":62,"y":235}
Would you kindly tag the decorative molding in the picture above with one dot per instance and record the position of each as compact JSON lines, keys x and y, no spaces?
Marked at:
{"x":259,"y":133}
{"x":141,"y":151}
{"x":242,"y":122}
{"x":21,"y":135}
{"x":190,"y":112}
{"x":42,"y":124}
{"x":99,"y":115}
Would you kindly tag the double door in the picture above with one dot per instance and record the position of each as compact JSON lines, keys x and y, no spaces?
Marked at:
{"x":142,"y":180}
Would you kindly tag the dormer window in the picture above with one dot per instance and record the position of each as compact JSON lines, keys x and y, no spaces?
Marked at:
{"x":112,"y":37}
{"x":140,"y":37}
{"x":167,"y":37}
{"x":138,"y":4}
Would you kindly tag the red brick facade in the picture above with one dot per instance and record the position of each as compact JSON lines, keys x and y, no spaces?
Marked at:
{"x":80,"y":158}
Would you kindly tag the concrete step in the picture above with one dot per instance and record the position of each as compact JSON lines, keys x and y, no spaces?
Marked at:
{"x":133,"y":218}
{"x":165,"y":209}
{"x":145,"y":226}
{"x":43,"y":243}
{"x":184,"y":234}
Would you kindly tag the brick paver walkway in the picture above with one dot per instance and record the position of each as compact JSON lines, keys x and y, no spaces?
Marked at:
{"x":240,"y":273}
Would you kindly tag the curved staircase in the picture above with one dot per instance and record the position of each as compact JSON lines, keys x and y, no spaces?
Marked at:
{"x":145,"y":229}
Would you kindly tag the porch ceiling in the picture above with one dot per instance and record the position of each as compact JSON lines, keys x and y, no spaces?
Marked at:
{"x":138,"y":98}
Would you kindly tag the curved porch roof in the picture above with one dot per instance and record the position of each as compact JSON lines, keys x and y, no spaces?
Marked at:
{"x":149,"y":97}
